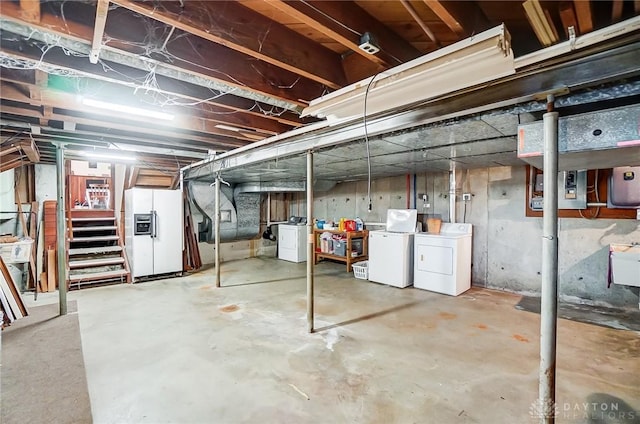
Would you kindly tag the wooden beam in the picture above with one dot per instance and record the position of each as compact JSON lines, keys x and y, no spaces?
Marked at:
{"x":616,"y":10}
{"x":29,"y":10}
{"x":135,"y":171}
{"x":219,"y":67}
{"x":175,"y":181}
{"x":129,"y":127}
{"x":583,"y":11}
{"x":53,"y":99}
{"x":344,"y":22}
{"x":463,"y":18}
{"x":12,"y":161}
{"x":414,"y":14}
{"x":191,"y":93}
{"x":636,"y":6}
{"x":202,"y":111}
{"x":253,"y":34}
{"x":568,"y":17}
{"x":102,"y":8}
{"x":35,"y":90}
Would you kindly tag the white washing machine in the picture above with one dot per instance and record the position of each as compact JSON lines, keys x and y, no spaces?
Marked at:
{"x":442,"y":262}
{"x":391,"y":258}
{"x":292,"y":244}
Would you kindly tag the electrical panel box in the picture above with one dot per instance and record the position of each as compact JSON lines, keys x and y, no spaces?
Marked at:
{"x":624,"y":188}
{"x":572,"y":191}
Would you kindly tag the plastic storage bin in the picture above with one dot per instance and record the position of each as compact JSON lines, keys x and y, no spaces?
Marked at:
{"x":340,"y":247}
{"x":361,"y":270}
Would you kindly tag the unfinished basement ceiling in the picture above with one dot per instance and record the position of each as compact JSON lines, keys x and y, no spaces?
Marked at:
{"x":231,"y":73}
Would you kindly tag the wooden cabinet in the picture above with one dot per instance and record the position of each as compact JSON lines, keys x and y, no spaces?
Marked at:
{"x":350,"y":236}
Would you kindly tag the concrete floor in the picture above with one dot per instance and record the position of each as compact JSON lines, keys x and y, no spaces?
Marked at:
{"x":180,"y":350}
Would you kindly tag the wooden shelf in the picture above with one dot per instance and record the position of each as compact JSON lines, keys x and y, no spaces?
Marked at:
{"x":348,"y":259}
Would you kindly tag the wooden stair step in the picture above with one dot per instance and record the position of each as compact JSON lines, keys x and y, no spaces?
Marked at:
{"x":94,"y":238}
{"x":95,"y":250}
{"x":107,"y":275}
{"x":95,"y":262}
{"x":106,"y":218}
{"x":95,"y":228}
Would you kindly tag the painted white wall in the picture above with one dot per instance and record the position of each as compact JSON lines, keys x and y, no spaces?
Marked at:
{"x":507,"y":245}
{"x":7,"y":202}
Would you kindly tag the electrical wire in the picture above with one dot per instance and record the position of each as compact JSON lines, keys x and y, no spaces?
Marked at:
{"x":366,"y":140}
{"x":464,"y":214}
{"x":597,"y":212}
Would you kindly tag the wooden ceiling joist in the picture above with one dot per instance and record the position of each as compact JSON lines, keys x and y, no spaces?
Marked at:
{"x":414,"y":14}
{"x":616,"y":10}
{"x":583,"y":12}
{"x":29,"y":10}
{"x":253,"y":35}
{"x":346,"y":22}
{"x":114,"y":74}
{"x":102,"y":8}
{"x":463,"y":18}
{"x":69,"y":102}
{"x":128,"y":127}
{"x":568,"y":17}
{"x":220,"y":73}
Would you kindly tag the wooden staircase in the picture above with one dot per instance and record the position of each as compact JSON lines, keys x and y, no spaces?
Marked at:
{"x":96,"y":253}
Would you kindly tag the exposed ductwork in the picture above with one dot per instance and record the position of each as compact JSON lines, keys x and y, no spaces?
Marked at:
{"x":239,"y":206}
{"x":603,"y":139}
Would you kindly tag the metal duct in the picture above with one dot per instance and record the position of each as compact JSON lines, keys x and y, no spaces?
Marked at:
{"x":282,"y":186}
{"x":203,"y":197}
{"x":603,"y":139}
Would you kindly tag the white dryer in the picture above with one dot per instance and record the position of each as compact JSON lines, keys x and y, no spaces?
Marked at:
{"x":442,"y":262}
{"x":292,"y":244}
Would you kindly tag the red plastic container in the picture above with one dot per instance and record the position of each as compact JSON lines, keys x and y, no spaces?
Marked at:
{"x":350,"y":225}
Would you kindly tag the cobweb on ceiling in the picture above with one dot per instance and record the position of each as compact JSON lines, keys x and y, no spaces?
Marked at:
{"x":152,"y":44}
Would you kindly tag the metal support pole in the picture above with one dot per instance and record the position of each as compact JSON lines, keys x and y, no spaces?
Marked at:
{"x":452,"y":195}
{"x":310,"y":253}
{"x":549,"y":295}
{"x":61,"y":232}
{"x":216,"y":227}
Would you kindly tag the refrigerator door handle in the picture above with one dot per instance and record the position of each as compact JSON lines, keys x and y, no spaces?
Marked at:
{"x":154,"y":224}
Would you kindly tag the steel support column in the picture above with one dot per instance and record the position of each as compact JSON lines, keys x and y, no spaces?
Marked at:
{"x":61,"y":231}
{"x":310,"y":253}
{"x":549,"y":295}
{"x":216,"y":228}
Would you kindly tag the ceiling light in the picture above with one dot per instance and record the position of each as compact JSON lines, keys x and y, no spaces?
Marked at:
{"x":93,"y":155}
{"x":127,"y":109}
{"x":476,"y":60}
{"x":228,"y":127}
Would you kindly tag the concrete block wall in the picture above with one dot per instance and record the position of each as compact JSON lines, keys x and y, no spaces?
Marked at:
{"x":507,"y":245}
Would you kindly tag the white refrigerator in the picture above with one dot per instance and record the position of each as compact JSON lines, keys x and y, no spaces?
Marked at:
{"x":292,"y":244}
{"x":153,"y":231}
{"x":391,"y":258}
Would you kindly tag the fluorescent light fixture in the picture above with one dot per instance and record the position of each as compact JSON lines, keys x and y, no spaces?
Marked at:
{"x":127,"y":109}
{"x":540,"y":22}
{"x":476,"y":60}
{"x":228,"y":127}
{"x":93,"y":155}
